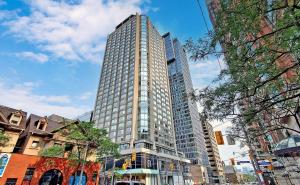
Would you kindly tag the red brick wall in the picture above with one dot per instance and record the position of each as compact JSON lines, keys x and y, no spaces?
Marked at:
{"x":18,"y":164}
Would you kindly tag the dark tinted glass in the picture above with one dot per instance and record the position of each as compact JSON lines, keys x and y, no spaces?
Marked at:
{"x":122,"y":183}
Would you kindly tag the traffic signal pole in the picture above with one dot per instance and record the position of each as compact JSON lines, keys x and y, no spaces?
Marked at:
{"x":253,"y":158}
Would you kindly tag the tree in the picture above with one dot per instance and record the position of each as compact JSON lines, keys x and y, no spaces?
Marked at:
{"x":260,"y":41}
{"x":87,"y":140}
{"x":249,"y":178}
{"x":3,"y":139}
{"x":54,"y":151}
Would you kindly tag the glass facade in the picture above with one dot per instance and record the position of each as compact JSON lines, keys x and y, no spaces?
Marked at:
{"x":113,"y":110}
{"x":143,"y":128}
{"x":189,"y":134}
{"x":161,"y":111}
{"x":116,"y":109}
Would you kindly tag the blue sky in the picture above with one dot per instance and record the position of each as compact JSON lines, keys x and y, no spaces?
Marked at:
{"x":51,"y":51}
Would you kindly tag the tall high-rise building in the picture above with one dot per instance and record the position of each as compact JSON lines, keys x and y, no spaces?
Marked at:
{"x":215,"y":161}
{"x":189,"y":134}
{"x":133,"y":101}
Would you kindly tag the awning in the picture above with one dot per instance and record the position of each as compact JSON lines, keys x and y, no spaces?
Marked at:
{"x":138,"y":171}
{"x":288,"y":147}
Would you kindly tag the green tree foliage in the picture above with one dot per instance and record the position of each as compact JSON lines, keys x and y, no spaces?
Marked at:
{"x":261,"y":80}
{"x":3,"y":139}
{"x":85,"y":137}
{"x":54,"y":151}
{"x":249,"y":178}
{"x":87,"y":141}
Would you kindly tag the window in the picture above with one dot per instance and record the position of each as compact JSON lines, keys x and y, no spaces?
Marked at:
{"x":15,"y":118}
{"x":68,"y":147}
{"x":29,"y":173}
{"x":95,"y":174}
{"x":53,"y":176}
{"x":57,"y":144}
{"x":34,"y":144}
{"x":11,"y":181}
{"x":41,"y":125}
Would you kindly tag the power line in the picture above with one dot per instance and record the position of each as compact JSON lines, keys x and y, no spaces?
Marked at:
{"x":206,"y":25}
{"x":202,"y":13}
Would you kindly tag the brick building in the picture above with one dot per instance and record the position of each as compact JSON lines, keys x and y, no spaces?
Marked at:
{"x":32,"y":170}
{"x":20,"y":163}
{"x":13,"y":124}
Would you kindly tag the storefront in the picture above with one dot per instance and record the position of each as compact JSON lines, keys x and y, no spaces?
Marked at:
{"x":287,"y":166}
{"x":146,"y":168}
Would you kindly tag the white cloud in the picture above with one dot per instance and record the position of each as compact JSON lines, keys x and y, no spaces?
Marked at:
{"x":37,"y":57}
{"x":72,"y":31}
{"x":205,"y":71}
{"x":85,"y":96}
{"x":22,"y":96}
{"x":148,"y":9}
{"x":8,"y":14}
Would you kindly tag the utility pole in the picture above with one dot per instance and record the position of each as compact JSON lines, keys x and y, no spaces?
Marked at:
{"x":102,"y":171}
{"x":253,"y":159}
{"x":83,"y":163}
{"x":113,"y":172}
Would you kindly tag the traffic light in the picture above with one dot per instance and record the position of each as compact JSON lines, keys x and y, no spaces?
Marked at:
{"x":270,"y":167}
{"x":232,"y":161}
{"x":126,"y":163}
{"x":133,"y":156}
{"x":171,"y":166}
{"x":219,"y":137}
{"x":124,"y":166}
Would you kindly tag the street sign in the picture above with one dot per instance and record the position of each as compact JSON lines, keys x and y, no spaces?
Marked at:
{"x":264,"y":163}
{"x":242,"y":162}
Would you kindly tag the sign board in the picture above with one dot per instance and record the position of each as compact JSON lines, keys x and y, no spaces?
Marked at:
{"x":264,"y":163}
{"x":242,"y":162}
{"x":4,"y":159}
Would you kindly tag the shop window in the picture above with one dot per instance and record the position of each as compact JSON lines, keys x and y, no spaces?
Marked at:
{"x":28,"y":174}
{"x":11,"y":181}
{"x":95,"y":174}
{"x":51,"y":177}
{"x":76,"y":177}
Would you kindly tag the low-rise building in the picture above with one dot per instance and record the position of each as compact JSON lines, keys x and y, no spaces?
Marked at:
{"x":39,"y":133}
{"x":20,"y":169}
{"x":20,"y":160}
{"x":215,"y":161}
{"x":12,"y":123}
